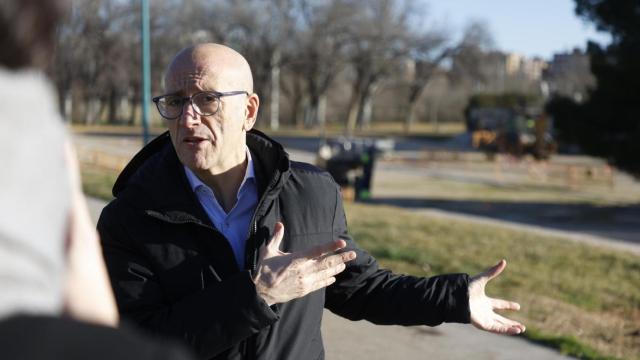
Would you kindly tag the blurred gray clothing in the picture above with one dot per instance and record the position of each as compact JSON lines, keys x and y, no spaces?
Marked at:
{"x":34,"y":196}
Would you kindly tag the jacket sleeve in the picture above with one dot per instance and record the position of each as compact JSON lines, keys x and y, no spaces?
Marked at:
{"x":365,"y":292}
{"x":211,"y":320}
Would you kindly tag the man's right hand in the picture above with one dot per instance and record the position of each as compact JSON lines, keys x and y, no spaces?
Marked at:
{"x":284,"y":276}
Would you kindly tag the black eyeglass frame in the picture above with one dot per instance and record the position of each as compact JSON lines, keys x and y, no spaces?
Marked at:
{"x":184,"y":100}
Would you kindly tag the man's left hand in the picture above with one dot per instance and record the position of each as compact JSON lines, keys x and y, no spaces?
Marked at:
{"x":482,"y":307}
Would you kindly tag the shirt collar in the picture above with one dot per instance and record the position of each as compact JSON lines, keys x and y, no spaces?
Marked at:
{"x":196,"y":183}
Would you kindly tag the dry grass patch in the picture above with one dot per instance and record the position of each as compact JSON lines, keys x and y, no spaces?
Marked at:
{"x":97,"y":181}
{"x":567,"y":289}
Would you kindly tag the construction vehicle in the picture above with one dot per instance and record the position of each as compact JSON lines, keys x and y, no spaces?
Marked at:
{"x":509,"y":124}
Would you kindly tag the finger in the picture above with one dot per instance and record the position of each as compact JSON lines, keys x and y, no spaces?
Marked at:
{"x":321,"y":275}
{"x":508,"y":326}
{"x":497,"y":269}
{"x":330,"y":261}
{"x":499,"y":304}
{"x":515,"y":330}
{"x":276,"y":239}
{"x":492,"y":272}
{"x":322,"y":249}
{"x":320,"y":283}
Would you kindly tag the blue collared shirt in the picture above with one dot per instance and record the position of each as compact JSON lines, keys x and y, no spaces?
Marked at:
{"x":235,"y":224}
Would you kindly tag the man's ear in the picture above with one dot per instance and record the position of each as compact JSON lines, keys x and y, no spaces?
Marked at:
{"x":251,"y":111}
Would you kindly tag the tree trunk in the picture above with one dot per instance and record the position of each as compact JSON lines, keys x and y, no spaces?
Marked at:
{"x":310,"y":115}
{"x":68,"y":107}
{"x":354,"y":110}
{"x":415,"y":92}
{"x":300,"y":110}
{"x":94,"y":107}
{"x":64,"y":105}
{"x":366,"y":110}
{"x":410,"y":116}
{"x":316,"y":110}
{"x":112,"y":105}
{"x":434,"y":116}
{"x":133,"y":114}
{"x":366,"y":105}
{"x":322,"y":114}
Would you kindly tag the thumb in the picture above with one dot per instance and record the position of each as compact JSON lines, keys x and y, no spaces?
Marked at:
{"x":495,"y":270}
{"x":490,"y":273}
{"x":276,"y":239}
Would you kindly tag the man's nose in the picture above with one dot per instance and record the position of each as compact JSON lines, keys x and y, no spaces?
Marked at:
{"x":189,"y":115}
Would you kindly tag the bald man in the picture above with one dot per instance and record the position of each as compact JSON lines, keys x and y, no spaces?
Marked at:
{"x":216,"y":237}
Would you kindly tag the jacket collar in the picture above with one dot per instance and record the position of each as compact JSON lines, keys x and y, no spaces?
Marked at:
{"x":154,"y":180}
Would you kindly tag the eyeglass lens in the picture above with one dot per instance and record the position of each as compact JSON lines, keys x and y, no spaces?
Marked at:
{"x":203,"y":103}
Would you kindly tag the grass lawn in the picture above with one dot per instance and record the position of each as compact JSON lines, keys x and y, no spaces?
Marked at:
{"x":97,"y":182}
{"x":580,"y":299}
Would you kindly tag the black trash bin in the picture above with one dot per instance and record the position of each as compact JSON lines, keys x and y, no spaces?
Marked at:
{"x":350,"y":162}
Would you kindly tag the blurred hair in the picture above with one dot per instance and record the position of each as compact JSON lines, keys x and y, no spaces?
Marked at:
{"x":28,"y":30}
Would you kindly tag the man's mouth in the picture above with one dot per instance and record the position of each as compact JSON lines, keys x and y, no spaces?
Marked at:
{"x":194,"y":139}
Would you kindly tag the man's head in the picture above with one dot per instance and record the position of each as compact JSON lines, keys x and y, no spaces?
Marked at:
{"x":211,"y":143}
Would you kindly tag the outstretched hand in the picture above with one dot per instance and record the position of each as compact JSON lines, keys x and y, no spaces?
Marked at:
{"x":482,"y":307}
{"x":282,"y":277}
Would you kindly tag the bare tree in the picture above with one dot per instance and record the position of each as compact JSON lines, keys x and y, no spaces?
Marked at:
{"x":378,"y":42}
{"x":426,"y":53}
{"x":471,"y":60}
{"x":317,"y":53}
{"x":258,"y":28}
{"x":429,"y":49}
{"x":93,"y":59}
{"x":304,"y":46}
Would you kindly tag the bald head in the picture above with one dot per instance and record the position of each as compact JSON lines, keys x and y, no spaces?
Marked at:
{"x":204,"y":64}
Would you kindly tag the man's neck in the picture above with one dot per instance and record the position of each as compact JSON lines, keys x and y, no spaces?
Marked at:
{"x":225,"y":184}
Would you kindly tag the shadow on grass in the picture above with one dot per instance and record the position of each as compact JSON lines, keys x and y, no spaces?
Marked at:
{"x":614,"y":222}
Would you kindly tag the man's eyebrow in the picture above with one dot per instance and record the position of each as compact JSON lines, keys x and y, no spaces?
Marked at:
{"x":174,"y":93}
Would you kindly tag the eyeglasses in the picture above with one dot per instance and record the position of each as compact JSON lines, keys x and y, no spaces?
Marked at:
{"x":204,"y":103}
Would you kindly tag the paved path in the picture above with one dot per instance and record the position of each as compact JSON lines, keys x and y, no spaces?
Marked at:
{"x":362,"y":340}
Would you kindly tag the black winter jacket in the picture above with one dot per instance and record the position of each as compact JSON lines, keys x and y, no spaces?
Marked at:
{"x":173,"y":273}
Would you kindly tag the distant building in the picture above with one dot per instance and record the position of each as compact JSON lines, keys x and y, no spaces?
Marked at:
{"x":512,"y":63}
{"x":534,"y":68}
{"x":509,"y":72}
{"x":519,"y":66}
{"x":569,"y":74}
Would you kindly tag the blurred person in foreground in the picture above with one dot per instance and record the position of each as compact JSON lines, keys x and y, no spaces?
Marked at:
{"x":55,"y":298}
{"x":217,"y":238}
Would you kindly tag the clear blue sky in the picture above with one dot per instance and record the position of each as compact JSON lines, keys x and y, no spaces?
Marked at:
{"x":528,"y":27}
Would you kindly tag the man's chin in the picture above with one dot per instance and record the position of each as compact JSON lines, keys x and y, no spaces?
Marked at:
{"x":194,"y":162}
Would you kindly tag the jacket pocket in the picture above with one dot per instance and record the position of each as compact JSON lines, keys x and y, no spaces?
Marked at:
{"x":191,"y":275}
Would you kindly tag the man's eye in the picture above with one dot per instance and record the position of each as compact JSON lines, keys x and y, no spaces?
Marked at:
{"x":208,"y":99}
{"x":173,"y":102}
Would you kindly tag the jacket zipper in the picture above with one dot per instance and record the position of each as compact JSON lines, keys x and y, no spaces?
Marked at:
{"x":250,"y":343}
{"x":250,"y":349}
{"x":254,"y":257}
